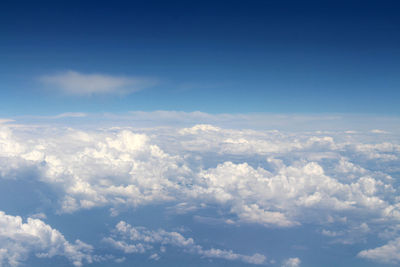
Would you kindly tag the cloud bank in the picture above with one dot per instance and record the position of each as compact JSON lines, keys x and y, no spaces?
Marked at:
{"x":343,"y":183}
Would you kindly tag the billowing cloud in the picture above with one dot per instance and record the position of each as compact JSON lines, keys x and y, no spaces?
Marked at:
{"x":19,"y":240}
{"x":140,"y":240}
{"x":342,"y":182}
{"x":75,"y":83}
{"x":120,"y":167}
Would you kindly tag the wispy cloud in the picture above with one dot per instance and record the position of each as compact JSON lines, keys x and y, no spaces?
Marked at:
{"x":140,"y":239}
{"x":75,"y":83}
{"x":5,"y":120}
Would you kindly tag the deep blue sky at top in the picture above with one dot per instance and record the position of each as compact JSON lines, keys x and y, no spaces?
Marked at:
{"x":212,"y":56}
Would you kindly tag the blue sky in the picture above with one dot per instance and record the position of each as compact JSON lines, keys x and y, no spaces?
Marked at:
{"x":199,"y":133}
{"x":261,"y":56}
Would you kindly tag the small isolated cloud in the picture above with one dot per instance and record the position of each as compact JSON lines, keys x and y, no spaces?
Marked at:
{"x":291,"y":262}
{"x":40,"y":216}
{"x":70,"y":115}
{"x":75,"y":83}
{"x":378,"y":131}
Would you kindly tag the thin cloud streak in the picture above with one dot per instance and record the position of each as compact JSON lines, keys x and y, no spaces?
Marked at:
{"x":75,"y":83}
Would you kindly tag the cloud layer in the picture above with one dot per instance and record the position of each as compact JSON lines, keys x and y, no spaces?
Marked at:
{"x":342,"y":182}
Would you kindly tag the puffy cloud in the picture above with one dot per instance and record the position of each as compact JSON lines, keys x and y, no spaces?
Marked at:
{"x":19,"y":239}
{"x":120,"y":167}
{"x":145,"y":240}
{"x":337,"y":180}
{"x":389,"y":253}
{"x":75,"y":83}
{"x":291,"y":262}
{"x":279,"y":198}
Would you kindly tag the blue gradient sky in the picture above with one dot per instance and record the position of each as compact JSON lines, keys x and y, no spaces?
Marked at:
{"x":212,"y":56}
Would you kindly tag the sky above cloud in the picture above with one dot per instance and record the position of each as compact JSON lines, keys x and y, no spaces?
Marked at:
{"x":199,"y":133}
{"x":309,"y":57}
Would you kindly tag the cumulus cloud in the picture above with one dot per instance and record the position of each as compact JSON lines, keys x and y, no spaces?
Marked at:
{"x":389,"y":253}
{"x":19,"y":240}
{"x":75,"y":83}
{"x":145,"y":240}
{"x":342,"y":182}
{"x":120,"y":167}
{"x":291,"y":262}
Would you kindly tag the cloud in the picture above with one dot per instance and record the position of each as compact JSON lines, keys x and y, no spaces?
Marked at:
{"x":18,"y":240}
{"x":389,"y":253}
{"x":145,"y":239}
{"x":118,"y":167}
{"x":378,"y":131}
{"x":69,"y":115}
{"x":341,"y":183}
{"x":356,"y":126}
{"x":291,"y":262}
{"x":75,"y":83}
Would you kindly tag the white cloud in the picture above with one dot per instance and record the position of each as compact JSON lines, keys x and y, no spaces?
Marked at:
{"x":119,"y":167}
{"x":19,"y":240}
{"x":69,"y":115}
{"x":145,"y":239}
{"x":389,"y":253}
{"x":268,"y":177}
{"x":40,"y":215}
{"x":347,"y":125}
{"x":291,"y":262}
{"x":75,"y":83}
{"x":378,"y":131}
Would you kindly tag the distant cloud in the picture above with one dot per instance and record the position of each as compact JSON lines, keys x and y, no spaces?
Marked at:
{"x":75,"y":83}
{"x":144,"y":240}
{"x":5,"y":121}
{"x":70,"y":115}
{"x":378,"y":131}
{"x":291,"y":262}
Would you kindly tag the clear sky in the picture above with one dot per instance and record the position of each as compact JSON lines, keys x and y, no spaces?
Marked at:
{"x":212,"y":56}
